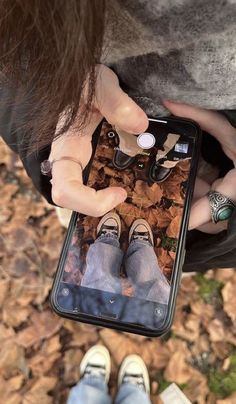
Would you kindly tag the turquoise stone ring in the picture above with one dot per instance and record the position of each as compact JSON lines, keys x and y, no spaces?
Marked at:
{"x":221,"y":206}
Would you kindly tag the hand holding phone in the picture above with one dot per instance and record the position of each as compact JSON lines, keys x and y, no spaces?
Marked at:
{"x":111,"y":102}
{"x":121,"y":270}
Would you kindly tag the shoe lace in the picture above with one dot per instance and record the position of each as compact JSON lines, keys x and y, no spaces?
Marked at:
{"x":95,"y":370}
{"x":141,"y":236}
{"x":108,"y":230}
{"x":136,"y":379}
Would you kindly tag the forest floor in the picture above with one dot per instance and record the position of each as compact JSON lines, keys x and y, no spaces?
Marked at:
{"x":40,"y":352}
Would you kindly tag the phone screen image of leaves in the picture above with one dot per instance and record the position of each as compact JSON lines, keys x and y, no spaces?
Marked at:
{"x":161,"y":205}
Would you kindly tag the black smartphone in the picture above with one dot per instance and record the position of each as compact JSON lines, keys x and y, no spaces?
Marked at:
{"x":122,"y":270}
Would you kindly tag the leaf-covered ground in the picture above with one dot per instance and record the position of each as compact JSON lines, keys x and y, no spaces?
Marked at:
{"x":40,"y":352}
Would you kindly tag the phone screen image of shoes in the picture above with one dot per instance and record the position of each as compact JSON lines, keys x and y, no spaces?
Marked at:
{"x":123,"y":262}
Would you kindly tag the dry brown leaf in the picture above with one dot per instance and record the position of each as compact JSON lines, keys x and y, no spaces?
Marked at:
{"x":146,"y":196}
{"x":44,"y":325}
{"x":84,"y":339}
{"x":4,"y":287}
{"x":202,"y":310}
{"x":158,"y":217}
{"x":229,"y":297}
{"x":11,"y":356}
{"x":128,"y":213}
{"x":187,"y":327}
{"x":8,"y":396}
{"x":197,"y":388}
{"x":221,"y":349}
{"x":35,"y":288}
{"x":178,"y":370}
{"x":38,"y":392}
{"x":216,"y":330}
{"x":164,"y":259}
{"x":224,"y":274}
{"x":43,"y":361}
{"x":20,"y":265}
{"x":40,"y":364}
{"x":15,"y":383}
{"x":118,"y":344}
{"x":229,"y":400}
{"x":13,"y":315}
{"x":71,"y":360}
{"x":19,"y":238}
{"x":174,"y":227}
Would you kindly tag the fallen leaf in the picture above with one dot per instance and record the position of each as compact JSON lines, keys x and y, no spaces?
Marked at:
{"x":174,"y":227}
{"x":229,"y":298}
{"x":13,"y":315}
{"x":39,"y":391}
{"x":229,"y":400}
{"x":4,"y":286}
{"x":11,"y":356}
{"x":72,"y":359}
{"x":177,"y":369}
{"x":44,"y":325}
{"x":216,"y":330}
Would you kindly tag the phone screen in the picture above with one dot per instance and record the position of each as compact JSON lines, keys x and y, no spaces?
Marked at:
{"x":120,"y":267}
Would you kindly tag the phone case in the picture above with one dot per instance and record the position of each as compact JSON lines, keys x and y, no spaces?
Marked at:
{"x":140,"y":173}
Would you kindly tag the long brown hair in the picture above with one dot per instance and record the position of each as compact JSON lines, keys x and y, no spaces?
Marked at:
{"x":47,"y":49}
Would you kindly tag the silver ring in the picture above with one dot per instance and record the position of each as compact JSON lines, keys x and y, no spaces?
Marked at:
{"x":221,"y":206}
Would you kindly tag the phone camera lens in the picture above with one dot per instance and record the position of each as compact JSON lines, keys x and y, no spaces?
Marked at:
{"x":111,"y":135}
{"x":65,"y":291}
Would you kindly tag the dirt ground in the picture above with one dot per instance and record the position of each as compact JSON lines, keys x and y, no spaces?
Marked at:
{"x":40,"y":352}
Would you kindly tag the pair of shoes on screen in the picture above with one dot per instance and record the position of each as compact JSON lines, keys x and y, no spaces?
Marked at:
{"x":97,"y":363}
{"x":157,"y":173}
{"x":110,"y":225}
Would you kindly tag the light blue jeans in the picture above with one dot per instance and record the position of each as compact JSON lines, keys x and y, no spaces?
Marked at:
{"x":93,"y":390}
{"x":103,"y":263}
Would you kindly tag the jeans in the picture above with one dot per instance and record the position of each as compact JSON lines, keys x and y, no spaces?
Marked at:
{"x":93,"y":390}
{"x":103,"y":263}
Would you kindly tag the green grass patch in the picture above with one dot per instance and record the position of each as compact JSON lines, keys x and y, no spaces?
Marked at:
{"x":209,"y":289}
{"x":223,"y":383}
{"x":168,"y":243}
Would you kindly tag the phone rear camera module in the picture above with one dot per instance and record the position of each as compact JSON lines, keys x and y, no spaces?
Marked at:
{"x":146,"y":140}
{"x":111,"y":135}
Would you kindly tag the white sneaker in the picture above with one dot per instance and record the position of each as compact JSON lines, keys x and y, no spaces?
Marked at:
{"x":133,"y":370}
{"x":140,"y":230}
{"x":96,"y":362}
{"x":109,"y":225}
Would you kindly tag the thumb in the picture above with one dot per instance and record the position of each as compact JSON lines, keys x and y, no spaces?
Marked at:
{"x":115,"y":105}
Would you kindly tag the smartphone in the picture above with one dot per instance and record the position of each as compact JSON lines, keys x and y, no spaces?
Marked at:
{"x":122,"y":270}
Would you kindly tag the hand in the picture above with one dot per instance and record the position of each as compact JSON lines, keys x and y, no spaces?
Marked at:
{"x":67,"y":185}
{"x":219,"y":127}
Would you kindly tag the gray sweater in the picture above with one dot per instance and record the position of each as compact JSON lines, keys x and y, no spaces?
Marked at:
{"x":182,"y":50}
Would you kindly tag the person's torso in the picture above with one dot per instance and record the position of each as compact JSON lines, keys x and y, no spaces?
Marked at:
{"x":175,"y":49}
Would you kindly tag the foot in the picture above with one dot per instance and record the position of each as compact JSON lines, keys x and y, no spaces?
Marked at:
{"x":158,"y":173}
{"x":96,"y":363}
{"x":140,"y":230}
{"x":121,"y":161}
{"x":109,"y":225}
{"x":134,"y":371}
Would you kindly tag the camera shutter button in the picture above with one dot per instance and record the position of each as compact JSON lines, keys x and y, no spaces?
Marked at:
{"x":146,"y":140}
